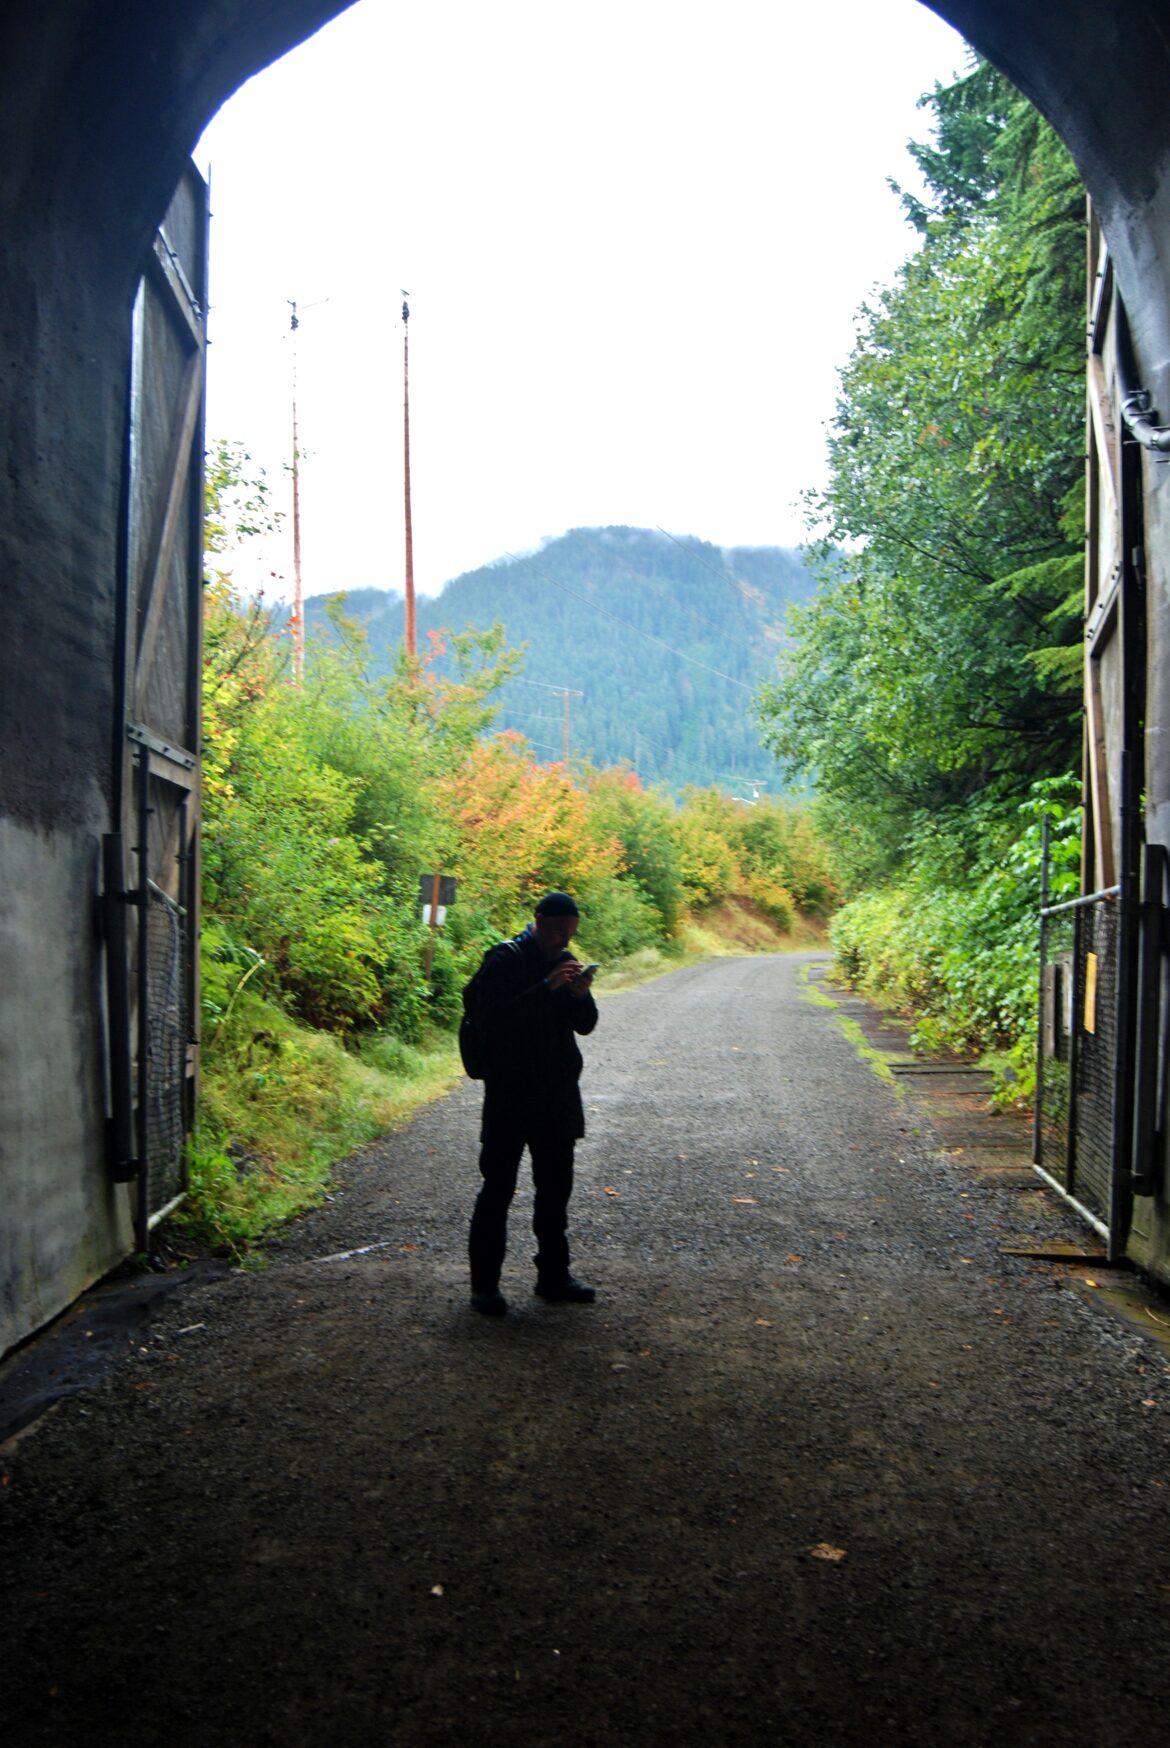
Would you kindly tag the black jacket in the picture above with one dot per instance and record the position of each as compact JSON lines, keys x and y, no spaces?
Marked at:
{"x":533,"y":1060}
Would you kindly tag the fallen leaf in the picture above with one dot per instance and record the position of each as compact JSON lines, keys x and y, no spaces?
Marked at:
{"x":1090,"y":1282}
{"x":610,"y":1191}
{"x":408,"y":1247}
{"x":794,"y":1256}
{"x":1148,"y":1402}
{"x":826,"y":1551}
{"x":762,"y":1323}
{"x":748,"y":1201}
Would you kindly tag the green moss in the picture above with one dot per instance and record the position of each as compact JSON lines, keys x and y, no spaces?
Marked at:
{"x":812,"y":992}
{"x":280,"y":1104}
{"x":875,"y":1059}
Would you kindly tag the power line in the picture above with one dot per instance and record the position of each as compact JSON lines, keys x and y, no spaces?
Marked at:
{"x":725,"y":575}
{"x":650,"y":638}
{"x":519,"y":680}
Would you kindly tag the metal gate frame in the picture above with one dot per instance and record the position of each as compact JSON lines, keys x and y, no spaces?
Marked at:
{"x":1075,"y":1139}
{"x":152,"y":968}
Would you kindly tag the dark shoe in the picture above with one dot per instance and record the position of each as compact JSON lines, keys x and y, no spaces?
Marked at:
{"x":565,"y":1291}
{"x":490,"y":1304}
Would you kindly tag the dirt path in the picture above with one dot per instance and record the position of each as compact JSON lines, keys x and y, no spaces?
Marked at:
{"x":330,"y":1504}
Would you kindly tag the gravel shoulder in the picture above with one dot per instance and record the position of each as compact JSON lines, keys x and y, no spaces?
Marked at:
{"x":821,"y":1465}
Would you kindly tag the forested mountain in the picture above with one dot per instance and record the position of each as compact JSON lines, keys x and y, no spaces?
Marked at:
{"x":659,"y":642}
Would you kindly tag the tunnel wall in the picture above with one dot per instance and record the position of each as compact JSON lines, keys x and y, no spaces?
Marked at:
{"x":100,"y":105}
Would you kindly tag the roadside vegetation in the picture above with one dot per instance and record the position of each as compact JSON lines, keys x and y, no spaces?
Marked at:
{"x":932,"y":691}
{"x":323,"y":805}
{"x":929,"y":694}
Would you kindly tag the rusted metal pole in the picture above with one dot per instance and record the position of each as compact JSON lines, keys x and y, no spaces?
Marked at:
{"x":410,"y":639}
{"x":298,"y":594}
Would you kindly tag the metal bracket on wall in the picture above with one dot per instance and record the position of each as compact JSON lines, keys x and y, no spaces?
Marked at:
{"x":165,"y":749}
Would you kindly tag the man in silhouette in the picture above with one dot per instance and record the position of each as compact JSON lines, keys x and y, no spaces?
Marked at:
{"x":534,"y":996}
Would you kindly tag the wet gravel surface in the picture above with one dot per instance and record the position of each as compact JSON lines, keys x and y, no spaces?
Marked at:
{"x":820,"y":1466}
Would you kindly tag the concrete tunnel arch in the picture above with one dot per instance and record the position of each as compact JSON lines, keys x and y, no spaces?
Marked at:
{"x":100,"y":107}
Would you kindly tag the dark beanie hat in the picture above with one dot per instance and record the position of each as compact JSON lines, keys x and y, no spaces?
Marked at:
{"x":557,"y":904}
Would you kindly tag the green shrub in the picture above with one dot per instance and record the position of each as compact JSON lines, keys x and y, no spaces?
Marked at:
{"x":955,"y":942}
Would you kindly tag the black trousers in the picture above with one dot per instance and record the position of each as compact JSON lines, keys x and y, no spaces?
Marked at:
{"x":551,"y":1150}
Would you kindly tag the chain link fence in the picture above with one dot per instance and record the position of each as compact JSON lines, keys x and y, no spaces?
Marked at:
{"x":166,"y":1049}
{"x":1080,"y":944}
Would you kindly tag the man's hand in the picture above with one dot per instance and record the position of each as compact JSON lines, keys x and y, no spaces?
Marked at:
{"x":570,"y":974}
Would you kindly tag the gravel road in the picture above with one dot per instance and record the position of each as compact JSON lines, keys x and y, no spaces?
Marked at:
{"x":820,"y":1466}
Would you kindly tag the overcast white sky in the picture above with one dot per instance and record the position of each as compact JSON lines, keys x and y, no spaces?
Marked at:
{"x":635,"y":234}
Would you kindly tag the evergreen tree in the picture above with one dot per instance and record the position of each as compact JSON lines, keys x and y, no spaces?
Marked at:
{"x":940,"y":657}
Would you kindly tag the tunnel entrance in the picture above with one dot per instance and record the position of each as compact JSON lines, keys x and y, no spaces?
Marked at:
{"x":97,"y":125}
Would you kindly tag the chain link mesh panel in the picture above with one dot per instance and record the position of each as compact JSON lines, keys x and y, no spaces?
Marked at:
{"x":1057,"y":955}
{"x":166,"y":1050}
{"x":1095,"y":1010}
{"x":1079,"y":964}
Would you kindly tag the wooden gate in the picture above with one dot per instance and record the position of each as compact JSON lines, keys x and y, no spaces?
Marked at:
{"x":151,"y":864}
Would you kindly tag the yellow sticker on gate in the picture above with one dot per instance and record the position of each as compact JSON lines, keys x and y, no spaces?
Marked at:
{"x":1090,"y":992}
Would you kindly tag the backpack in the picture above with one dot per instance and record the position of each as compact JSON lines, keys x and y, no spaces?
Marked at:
{"x":474,"y":1046}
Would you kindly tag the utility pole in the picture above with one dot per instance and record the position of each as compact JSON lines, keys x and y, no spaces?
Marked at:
{"x":298,"y":598}
{"x":298,"y":618}
{"x":411,"y":638}
{"x":568,"y":693}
